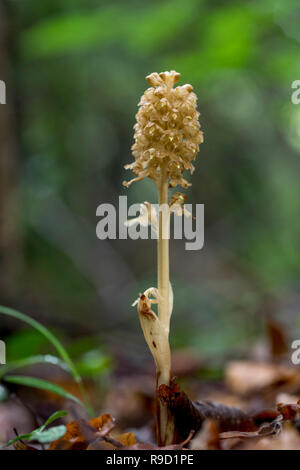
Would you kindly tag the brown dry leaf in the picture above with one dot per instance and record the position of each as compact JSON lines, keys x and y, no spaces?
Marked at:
{"x":244,"y":377}
{"x":144,"y":446}
{"x":207,"y":438}
{"x":289,"y":411}
{"x":286,"y":412}
{"x":79,"y":434}
{"x":189,"y":416}
{"x":288,"y":439}
{"x":266,"y":429}
{"x":19,"y":445}
{"x":127,"y":439}
{"x":115,"y":442}
{"x":103,"y":424}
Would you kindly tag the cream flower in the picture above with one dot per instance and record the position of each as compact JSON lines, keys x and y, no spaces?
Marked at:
{"x":177,"y":205}
{"x":148,"y":216}
{"x":167,"y":129}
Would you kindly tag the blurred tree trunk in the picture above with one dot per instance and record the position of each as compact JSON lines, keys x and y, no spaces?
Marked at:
{"x":9,"y":236}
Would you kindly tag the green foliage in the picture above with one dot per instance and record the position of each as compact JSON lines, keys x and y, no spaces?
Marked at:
{"x":150,"y":29}
{"x":38,"y":383}
{"x":24,"y":343}
{"x":42,"y":435}
{"x":31,"y":360}
{"x":46,"y":333}
{"x":93,"y":364}
{"x":42,"y":385}
{"x":143,"y":30}
{"x":82,"y":69}
{"x":73,"y":32}
{"x":50,"y":435}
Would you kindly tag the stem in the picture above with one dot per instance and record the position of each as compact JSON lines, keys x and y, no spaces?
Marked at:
{"x":156,"y":327}
{"x":163,"y":274}
{"x":165,"y":425}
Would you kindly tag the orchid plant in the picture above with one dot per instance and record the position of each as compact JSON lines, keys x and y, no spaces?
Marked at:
{"x":167,"y":138}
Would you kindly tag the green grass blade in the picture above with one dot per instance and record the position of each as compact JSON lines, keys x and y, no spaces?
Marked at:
{"x":54,"y":417}
{"x":44,"y":331}
{"x":42,"y":385}
{"x":29,"y":361}
{"x":38,"y":434}
{"x":22,"y":437}
{"x":56,"y":343}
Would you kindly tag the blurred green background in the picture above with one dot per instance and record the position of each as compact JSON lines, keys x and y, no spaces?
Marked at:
{"x":75,"y":72}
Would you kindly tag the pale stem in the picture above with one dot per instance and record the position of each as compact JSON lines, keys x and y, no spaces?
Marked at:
{"x":165,"y":421}
{"x":163,"y":250}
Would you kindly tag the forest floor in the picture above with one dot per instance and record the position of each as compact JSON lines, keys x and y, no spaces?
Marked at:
{"x":245,"y":404}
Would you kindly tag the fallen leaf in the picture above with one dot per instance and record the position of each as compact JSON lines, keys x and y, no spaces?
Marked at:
{"x":207,"y":438}
{"x":22,"y":446}
{"x":144,"y":446}
{"x":289,"y":411}
{"x":244,"y":377}
{"x":288,"y":439}
{"x":127,"y":439}
{"x":190,"y":415}
{"x":79,"y":435}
